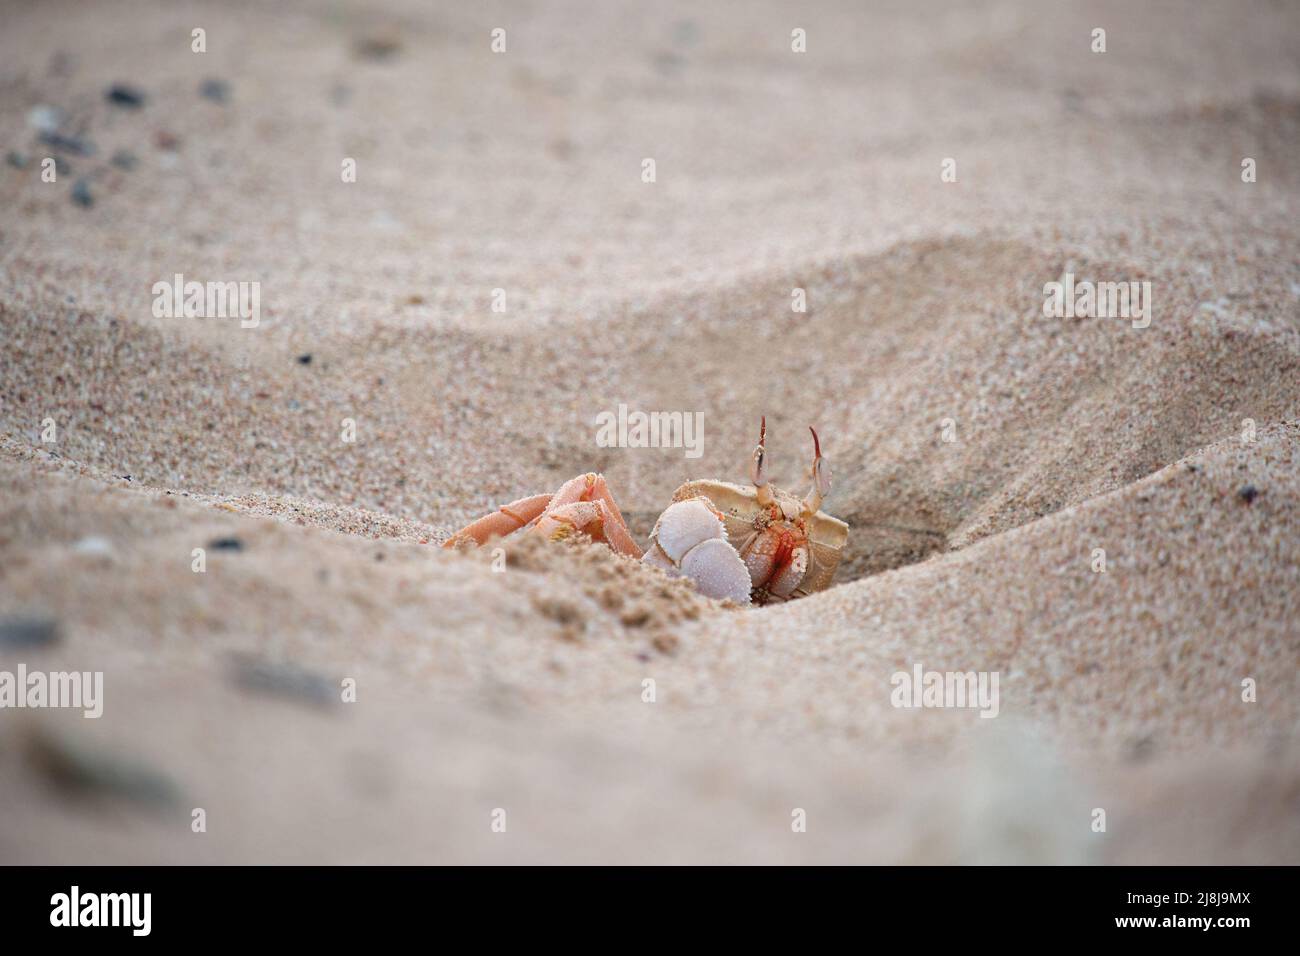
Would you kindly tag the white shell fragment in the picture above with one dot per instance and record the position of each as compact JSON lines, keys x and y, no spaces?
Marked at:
{"x":689,"y":538}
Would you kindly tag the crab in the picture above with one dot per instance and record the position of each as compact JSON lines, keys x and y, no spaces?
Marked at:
{"x":745,"y":543}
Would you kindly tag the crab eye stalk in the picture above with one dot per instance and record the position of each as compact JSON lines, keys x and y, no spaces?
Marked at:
{"x":757,"y":471}
{"x":821,"y":478}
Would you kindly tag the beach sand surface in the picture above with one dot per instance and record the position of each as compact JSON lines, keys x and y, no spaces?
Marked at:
{"x":983,"y":452}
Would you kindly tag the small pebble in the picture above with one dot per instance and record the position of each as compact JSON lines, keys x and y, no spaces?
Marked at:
{"x":87,"y":771}
{"x":666,"y":643}
{"x":81,"y":194}
{"x":123,"y":159}
{"x":216,"y":90}
{"x":94,"y":546}
{"x":16,"y":160}
{"x":282,"y":680}
{"x":378,"y":47}
{"x":226,"y":544}
{"x":45,"y":119}
{"x":28,"y":632}
{"x":686,"y":32}
{"x":120,"y":94}
{"x":1140,"y":749}
{"x":1247,"y":493}
{"x":304,"y":359}
{"x":68,"y":144}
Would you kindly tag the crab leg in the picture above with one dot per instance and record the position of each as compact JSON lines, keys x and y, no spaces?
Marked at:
{"x":551,"y":514}
{"x":593,"y":487}
{"x":601,"y":493}
{"x":593,"y":518}
{"x":501,"y":522}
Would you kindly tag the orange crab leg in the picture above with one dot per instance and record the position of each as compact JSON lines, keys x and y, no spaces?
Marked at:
{"x":593,"y":518}
{"x":501,"y":522}
{"x":600,"y":518}
{"x":593,"y":487}
{"x":617,"y":535}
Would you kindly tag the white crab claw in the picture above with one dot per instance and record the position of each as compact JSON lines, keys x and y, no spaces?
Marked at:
{"x":689,"y":538}
{"x":717,"y":570}
{"x":655,"y":555}
{"x":685,"y":524}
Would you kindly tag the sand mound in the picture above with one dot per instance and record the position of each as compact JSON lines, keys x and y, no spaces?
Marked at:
{"x":983,"y":452}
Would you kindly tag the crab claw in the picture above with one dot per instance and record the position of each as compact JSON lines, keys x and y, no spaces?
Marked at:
{"x":756,"y":470}
{"x":690,"y":539}
{"x":821,"y":479}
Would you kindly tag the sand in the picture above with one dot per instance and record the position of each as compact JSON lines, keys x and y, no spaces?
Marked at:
{"x":1172,"y":447}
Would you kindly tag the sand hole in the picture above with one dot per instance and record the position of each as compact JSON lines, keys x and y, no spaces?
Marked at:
{"x":874,"y":545}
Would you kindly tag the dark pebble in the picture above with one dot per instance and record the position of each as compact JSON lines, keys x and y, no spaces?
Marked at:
{"x":377,"y":47}
{"x":1141,"y":749}
{"x":304,"y":359}
{"x":83,"y":771}
{"x":68,"y":144}
{"x":121,"y":95}
{"x":124,"y":160}
{"x":226,"y":544}
{"x":216,"y":90}
{"x":1247,"y":493}
{"x":686,"y":32}
{"x":81,"y":193}
{"x":261,"y":676}
{"x":16,"y":160}
{"x":22,"y":633}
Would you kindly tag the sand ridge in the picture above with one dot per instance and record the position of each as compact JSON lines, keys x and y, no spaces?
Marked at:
{"x":1172,"y":448}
